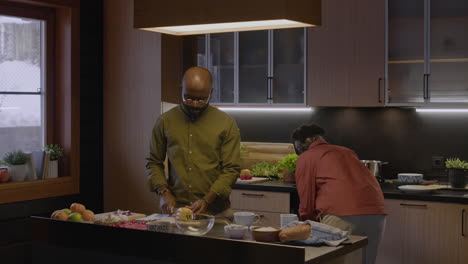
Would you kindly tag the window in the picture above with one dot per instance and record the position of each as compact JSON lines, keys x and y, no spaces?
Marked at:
{"x":39,"y":90}
{"x":22,"y":84}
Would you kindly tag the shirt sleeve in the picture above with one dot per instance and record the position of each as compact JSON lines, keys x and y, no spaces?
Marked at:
{"x":230,"y":157}
{"x":156,"y":156}
{"x":305,"y":184}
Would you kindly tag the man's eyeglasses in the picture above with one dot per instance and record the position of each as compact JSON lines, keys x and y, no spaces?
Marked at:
{"x":189,"y":100}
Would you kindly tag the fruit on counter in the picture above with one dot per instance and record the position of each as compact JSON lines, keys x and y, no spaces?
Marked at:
{"x":184,"y":213}
{"x":75,"y":217}
{"x":59,"y":214}
{"x":246,"y":177}
{"x":67,"y":211}
{"x":77,"y":208}
{"x":4,"y":175}
{"x":88,"y":215}
{"x":245,"y":174}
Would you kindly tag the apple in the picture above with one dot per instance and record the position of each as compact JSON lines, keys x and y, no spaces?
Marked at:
{"x":67,"y":211}
{"x":75,"y":217}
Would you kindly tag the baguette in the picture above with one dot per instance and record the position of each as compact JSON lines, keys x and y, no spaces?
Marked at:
{"x":299,"y":232}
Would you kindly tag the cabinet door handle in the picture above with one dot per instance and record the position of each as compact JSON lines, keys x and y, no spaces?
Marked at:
{"x":426,"y":86}
{"x":378,"y":91}
{"x":463,"y":223}
{"x":414,"y":205}
{"x":269,"y":80}
{"x":253,"y":194}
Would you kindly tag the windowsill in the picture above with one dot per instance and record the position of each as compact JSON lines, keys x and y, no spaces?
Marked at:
{"x":39,"y":189}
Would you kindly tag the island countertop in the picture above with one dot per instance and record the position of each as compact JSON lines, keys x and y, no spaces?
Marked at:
{"x":94,"y":243}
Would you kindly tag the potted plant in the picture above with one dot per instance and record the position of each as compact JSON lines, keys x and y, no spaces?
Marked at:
{"x":16,"y":161}
{"x":288,"y":167}
{"x":457,"y":172}
{"x":56,"y":153}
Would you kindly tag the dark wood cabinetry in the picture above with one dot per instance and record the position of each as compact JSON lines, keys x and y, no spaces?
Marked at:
{"x":346,"y":55}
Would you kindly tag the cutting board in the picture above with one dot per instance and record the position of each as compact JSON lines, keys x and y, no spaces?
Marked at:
{"x":253,"y":180}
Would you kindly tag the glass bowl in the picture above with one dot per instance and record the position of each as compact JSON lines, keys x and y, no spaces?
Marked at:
{"x":197,"y":224}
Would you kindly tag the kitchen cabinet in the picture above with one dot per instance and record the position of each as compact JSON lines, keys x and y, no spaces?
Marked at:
{"x":262,"y":67}
{"x":269,"y":205}
{"x":421,"y":232}
{"x":427,"y":58}
{"x":346,"y":55}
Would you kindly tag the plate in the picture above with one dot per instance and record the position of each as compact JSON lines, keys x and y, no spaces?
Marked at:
{"x":418,"y":188}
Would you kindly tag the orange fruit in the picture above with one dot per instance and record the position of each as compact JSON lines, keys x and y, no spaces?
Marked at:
{"x":88,"y":215}
{"x":77,"y":208}
{"x":59,"y":214}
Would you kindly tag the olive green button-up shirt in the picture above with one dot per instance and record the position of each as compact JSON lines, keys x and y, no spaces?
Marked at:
{"x":203,"y":156}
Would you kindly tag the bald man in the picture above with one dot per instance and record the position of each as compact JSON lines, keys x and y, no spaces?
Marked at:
{"x":202,"y":146}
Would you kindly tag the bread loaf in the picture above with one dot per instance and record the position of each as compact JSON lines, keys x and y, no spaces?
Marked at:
{"x":299,"y":232}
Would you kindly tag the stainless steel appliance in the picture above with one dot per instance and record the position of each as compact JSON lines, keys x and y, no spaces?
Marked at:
{"x":375,"y":167}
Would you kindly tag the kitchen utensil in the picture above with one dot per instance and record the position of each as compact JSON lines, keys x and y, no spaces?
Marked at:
{"x":287,"y":218}
{"x":235,"y":231}
{"x":198,"y":225}
{"x":246,"y":218}
{"x":265,"y":234}
{"x":421,"y":189}
{"x":410,"y":177}
{"x":375,"y":167}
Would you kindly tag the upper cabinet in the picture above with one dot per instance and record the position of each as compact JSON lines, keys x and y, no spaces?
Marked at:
{"x":346,"y":55}
{"x":427,"y":57}
{"x":263,"y":67}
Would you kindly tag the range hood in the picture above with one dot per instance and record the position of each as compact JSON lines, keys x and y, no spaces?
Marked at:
{"x":215,"y":16}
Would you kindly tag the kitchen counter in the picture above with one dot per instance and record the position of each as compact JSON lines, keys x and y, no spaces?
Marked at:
{"x":389,"y":190}
{"x":443,"y":195}
{"x":55,"y":241}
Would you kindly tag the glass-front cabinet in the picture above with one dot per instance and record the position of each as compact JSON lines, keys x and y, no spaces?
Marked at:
{"x":255,"y":67}
{"x":427,"y":52}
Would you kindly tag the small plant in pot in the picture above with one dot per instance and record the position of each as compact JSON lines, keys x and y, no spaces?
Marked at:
{"x":56,"y":153}
{"x":16,"y":161}
{"x":287,"y":167}
{"x":457,"y":172}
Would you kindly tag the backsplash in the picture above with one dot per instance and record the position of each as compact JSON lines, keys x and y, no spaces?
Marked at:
{"x":401,"y":136}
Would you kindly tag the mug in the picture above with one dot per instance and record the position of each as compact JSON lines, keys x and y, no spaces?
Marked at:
{"x":159,"y":226}
{"x":235,"y":231}
{"x":287,"y":218}
{"x":246,"y":218}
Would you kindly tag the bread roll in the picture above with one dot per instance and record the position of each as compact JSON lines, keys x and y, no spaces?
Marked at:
{"x":299,"y":232}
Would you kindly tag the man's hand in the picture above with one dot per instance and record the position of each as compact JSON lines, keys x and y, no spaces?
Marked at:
{"x":167,"y":202}
{"x":199,"y":206}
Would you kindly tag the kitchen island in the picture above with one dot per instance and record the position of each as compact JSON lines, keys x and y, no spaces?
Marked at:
{"x":56,"y":241}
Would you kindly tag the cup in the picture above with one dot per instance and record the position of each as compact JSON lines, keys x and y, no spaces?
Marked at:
{"x":246,"y":218}
{"x":287,"y":218}
{"x":235,"y":231}
{"x":159,"y":226}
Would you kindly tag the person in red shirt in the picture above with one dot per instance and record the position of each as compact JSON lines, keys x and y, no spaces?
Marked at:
{"x":335,"y":188}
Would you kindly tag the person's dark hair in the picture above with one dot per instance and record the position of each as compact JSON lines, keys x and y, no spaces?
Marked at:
{"x":307,"y":131}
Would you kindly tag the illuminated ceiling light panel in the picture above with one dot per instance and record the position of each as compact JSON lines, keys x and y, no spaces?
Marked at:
{"x":429,"y":110}
{"x":228,"y":27}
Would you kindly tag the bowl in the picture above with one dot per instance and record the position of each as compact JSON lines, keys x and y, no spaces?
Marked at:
{"x":410,"y":177}
{"x":197,"y":224}
{"x":235,"y":231}
{"x":265,"y":234}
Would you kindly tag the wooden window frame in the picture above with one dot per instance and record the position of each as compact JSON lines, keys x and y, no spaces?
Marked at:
{"x":62,"y":95}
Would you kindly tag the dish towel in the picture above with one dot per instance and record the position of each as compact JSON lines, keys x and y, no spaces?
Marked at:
{"x":322,"y":233}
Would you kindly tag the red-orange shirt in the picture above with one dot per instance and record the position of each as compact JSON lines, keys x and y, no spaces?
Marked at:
{"x":332,"y":180}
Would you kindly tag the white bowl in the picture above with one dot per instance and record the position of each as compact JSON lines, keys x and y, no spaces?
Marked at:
{"x":410,"y":177}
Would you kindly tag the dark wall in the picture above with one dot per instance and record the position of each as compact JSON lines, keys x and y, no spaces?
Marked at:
{"x":15,"y":230}
{"x":401,"y":136}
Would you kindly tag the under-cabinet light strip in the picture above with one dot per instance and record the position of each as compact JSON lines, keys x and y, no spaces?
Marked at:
{"x":428,"y":110}
{"x":267,"y":109}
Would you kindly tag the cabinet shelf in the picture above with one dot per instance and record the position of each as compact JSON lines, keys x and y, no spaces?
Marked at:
{"x":432,"y":60}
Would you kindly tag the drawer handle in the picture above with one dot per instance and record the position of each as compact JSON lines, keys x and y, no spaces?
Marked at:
{"x":414,"y":205}
{"x":253,"y":194}
{"x":463,"y":223}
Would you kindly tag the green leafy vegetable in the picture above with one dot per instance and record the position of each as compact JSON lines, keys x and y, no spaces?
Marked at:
{"x":288,"y":162}
{"x":265,"y":169}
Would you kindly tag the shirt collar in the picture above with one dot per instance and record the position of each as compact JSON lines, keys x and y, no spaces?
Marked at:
{"x":317,"y":143}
